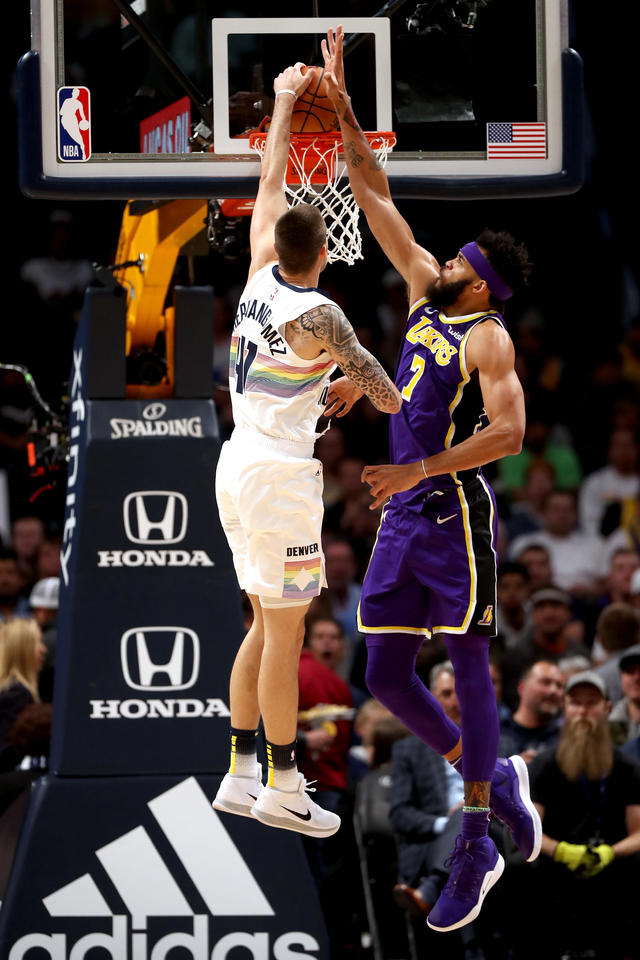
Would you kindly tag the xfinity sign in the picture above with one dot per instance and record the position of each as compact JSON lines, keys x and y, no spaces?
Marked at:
{"x":155,"y":516}
{"x":160,"y":658}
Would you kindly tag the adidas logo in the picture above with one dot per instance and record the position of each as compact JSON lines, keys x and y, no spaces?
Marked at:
{"x":134,"y":867}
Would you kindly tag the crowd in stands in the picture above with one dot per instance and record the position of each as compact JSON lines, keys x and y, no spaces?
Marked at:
{"x":568,"y":602}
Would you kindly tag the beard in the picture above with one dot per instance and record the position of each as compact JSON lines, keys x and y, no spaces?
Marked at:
{"x":442,"y":294}
{"x":585,"y":749}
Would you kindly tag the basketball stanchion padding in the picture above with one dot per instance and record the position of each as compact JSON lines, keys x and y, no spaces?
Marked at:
{"x":316,"y":174}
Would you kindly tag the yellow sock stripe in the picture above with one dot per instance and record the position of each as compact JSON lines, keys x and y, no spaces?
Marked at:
{"x":270,"y":766}
{"x":232,"y":768}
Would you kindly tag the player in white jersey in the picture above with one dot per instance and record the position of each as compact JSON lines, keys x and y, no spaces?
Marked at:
{"x":288,"y":338}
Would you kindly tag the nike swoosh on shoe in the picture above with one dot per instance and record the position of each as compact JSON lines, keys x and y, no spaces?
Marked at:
{"x":301,"y":816}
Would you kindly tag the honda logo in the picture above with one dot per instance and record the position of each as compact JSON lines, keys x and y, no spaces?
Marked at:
{"x":160,"y":658}
{"x":155,"y":516}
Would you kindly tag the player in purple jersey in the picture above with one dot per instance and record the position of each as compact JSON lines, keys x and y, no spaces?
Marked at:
{"x":433,"y":568}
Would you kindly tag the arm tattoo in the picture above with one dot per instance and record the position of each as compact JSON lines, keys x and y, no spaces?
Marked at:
{"x":349,"y":116}
{"x":328,"y":324}
{"x":354,"y":158}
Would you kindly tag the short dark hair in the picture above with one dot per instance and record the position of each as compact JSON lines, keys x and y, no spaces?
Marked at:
{"x":511,"y":566}
{"x":299,"y":235}
{"x":618,"y":627}
{"x":508,"y":258}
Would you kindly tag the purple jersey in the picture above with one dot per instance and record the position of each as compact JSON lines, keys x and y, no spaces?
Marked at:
{"x":442,"y":403}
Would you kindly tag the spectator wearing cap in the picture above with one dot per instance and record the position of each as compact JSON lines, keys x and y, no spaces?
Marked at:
{"x":536,"y":719}
{"x":551,"y":639}
{"x":617,"y":629}
{"x":587,"y":792}
{"x":576,"y":558}
{"x":43,"y":601}
{"x":625,"y":716}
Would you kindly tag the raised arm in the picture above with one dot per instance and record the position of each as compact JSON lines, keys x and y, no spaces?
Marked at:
{"x":369,"y":183}
{"x":271,"y":202}
{"x":490,"y":351}
{"x":327,"y":326}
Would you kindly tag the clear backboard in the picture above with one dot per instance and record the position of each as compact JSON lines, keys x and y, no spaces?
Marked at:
{"x":154,"y":100}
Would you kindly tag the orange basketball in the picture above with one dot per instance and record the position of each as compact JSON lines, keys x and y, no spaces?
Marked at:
{"x":313,"y":111}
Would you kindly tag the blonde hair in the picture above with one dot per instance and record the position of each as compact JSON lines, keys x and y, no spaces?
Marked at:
{"x":19,"y":639}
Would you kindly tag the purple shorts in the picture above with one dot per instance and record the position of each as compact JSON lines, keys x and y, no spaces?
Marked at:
{"x":435,"y":571}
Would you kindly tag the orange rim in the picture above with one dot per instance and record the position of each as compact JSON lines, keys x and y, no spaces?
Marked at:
{"x":315,"y":153}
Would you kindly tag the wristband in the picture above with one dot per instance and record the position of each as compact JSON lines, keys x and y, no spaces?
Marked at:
{"x":423,"y":469}
{"x":292,"y":92}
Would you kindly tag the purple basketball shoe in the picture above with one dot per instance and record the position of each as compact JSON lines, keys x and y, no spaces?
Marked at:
{"x":475,"y":866}
{"x":511,"y":804}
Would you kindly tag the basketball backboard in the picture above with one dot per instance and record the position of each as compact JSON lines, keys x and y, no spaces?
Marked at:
{"x":151,"y":100}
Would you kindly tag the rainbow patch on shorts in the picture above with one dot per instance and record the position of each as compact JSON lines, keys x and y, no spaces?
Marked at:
{"x":302,"y":578}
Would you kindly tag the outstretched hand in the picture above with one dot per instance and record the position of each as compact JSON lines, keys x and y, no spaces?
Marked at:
{"x":293,"y":79}
{"x":333,"y":64}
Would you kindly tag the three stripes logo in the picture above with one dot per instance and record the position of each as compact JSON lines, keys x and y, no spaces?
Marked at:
{"x":132,"y":870}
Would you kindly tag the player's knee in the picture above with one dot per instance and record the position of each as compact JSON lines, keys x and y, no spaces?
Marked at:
{"x":384,"y":686}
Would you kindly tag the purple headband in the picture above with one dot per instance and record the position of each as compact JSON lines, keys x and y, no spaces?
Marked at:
{"x":485,"y":271}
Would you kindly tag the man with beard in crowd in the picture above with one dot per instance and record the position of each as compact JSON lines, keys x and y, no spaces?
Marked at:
{"x":588,"y":794}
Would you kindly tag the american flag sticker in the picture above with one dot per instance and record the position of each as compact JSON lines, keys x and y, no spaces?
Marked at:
{"x":516,"y":141}
{"x":74,"y":124}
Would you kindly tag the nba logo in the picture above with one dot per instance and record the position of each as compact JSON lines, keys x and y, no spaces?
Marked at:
{"x":74,"y":124}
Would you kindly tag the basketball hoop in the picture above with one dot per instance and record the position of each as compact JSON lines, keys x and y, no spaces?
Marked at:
{"x":315,"y":170}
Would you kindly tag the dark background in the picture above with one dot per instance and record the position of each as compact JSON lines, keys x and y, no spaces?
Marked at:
{"x":584,"y":292}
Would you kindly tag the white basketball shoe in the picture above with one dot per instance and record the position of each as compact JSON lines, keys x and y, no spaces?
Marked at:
{"x":295,"y":810}
{"x":238,"y":794}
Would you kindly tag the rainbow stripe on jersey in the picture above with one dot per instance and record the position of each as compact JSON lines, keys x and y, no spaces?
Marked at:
{"x":276,"y":378}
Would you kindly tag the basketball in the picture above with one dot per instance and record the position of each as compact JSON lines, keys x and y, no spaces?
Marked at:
{"x":84,"y":124}
{"x":313,"y":111}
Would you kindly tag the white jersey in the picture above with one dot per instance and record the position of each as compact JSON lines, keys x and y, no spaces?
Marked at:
{"x":273,"y":390}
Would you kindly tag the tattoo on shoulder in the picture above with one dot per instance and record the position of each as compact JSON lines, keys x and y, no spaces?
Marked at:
{"x":328,"y":324}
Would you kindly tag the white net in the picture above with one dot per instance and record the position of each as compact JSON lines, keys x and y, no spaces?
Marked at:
{"x":317,"y":159}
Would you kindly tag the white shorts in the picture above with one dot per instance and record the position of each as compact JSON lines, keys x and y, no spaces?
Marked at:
{"x":270,"y":505}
